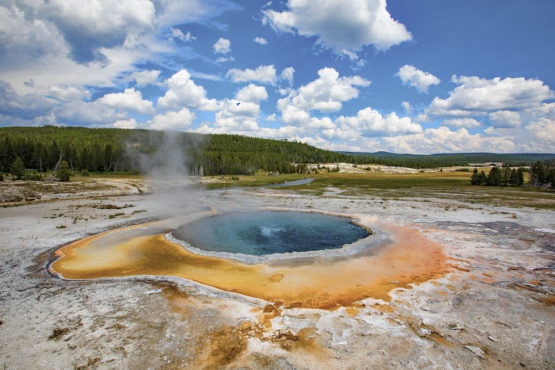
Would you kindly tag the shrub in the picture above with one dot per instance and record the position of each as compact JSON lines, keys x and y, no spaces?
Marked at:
{"x":63,"y":172}
{"x":17,"y":168}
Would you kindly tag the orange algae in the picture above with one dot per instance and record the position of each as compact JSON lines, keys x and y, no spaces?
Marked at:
{"x":326,"y":284}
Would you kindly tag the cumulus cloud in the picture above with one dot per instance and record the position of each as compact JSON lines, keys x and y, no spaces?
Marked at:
{"x":240,"y":115}
{"x":129,"y":99}
{"x":477,"y":95}
{"x":461,"y":122}
{"x":24,"y":38}
{"x":89,"y":26}
{"x":412,"y":76}
{"x":78,"y":112}
{"x":127,"y":124}
{"x":260,"y":40}
{"x":146,"y":77}
{"x":340,"y":25}
{"x":369,"y":122}
{"x":172,"y":120}
{"x":264,"y":74}
{"x":222,"y":46}
{"x":443,"y":140}
{"x":235,"y":116}
{"x":505,"y":119}
{"x":544,"y":132}
{"x":24,"y":106}
{"x":183,"y":92}
{"x":287,"y":75}
{"x":252,"y":93}
{"x":325,"y":94}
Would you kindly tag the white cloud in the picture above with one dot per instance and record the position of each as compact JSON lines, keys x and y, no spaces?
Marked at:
{"x":369,"y":122}
{"x":183,"y":92}
{"x":417,"y":78}
{"x":252,"y":93}
{"x":128,"y":124}
{"x":462,"y":122}
{"x":287,"y":74}
{"x":325,"y":94}
{"x":407,"y":107}
{"x":86,"y":113}
{"x":239,"y":115}
{"x":222,"y":46}
{"x":349,"y":54}
{"x":102,"y":23}
{"x":129,"y":99}
{"x":264,"y":74}
{"x":543,"y":131}
{"x":235,"y":116}
{"x":51,"y":51}
{"x":422,"y":118}
{"x":260,"y":40}
{"x":146,"y":77}
{"x":505,"y":119}
{"x":225,"y":59}
{"x":172,"y":120}
{"x":477,"y":95}
{"x":443,"y":140}
{"x":340,"y":25}
{"x":178,"y":34}
{"x":93,"y":43}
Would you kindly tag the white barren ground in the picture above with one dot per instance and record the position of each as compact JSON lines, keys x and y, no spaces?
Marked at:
{"x":495,"y":309}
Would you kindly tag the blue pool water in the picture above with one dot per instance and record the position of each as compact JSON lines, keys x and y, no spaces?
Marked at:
{"x":261,"y":233}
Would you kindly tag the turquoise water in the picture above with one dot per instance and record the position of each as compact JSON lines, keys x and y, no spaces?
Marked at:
{"x":266,"y":232}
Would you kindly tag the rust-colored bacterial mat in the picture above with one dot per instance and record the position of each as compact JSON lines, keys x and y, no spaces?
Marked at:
{"x":323,"y":283}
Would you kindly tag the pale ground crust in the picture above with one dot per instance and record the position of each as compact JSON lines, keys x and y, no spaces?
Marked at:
{"x":492,"y":307}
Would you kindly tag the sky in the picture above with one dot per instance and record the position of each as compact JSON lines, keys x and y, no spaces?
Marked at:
{"x":405,"y":76}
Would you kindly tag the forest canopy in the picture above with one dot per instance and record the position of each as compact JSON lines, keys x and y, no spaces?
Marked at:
{"x":41,"y":148}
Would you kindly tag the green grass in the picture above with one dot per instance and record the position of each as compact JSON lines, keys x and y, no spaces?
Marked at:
{"x":453,"y":187}
{"x":253,"y":180}
{"x":116,"y":174}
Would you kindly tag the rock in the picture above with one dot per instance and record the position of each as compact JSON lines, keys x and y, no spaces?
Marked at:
{"x":476,"y":350}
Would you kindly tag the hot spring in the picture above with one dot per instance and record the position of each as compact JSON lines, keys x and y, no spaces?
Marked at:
{"x":260,"y":233}
{"x":299,"y":259}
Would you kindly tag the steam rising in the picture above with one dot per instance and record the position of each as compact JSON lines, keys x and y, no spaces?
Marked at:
{"x":167,"y":167}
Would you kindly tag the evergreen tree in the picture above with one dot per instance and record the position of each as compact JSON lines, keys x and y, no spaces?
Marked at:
{"x":513,"y":181}
{"x":506,"y":175}
{"x":63,"y":171}
{"x":537,"y":174}
{"x":495,"y":177}
{"x":475,"y":179}
{"x":17,"y":168}
{"x":482,"y":179}
{"x":519,"y":177}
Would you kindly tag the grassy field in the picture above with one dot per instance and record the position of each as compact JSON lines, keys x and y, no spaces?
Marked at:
{"x":451,"y":187}
{"x":259,"y":179}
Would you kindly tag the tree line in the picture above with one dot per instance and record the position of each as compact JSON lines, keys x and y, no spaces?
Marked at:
{"x":98,"y":150}
{"x":542,"y":173}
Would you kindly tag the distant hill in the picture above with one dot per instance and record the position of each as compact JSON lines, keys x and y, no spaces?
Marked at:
{"x":451,"y":159}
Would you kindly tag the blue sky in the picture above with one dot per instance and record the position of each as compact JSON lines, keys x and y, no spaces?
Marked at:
{"x":406,"y":76}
